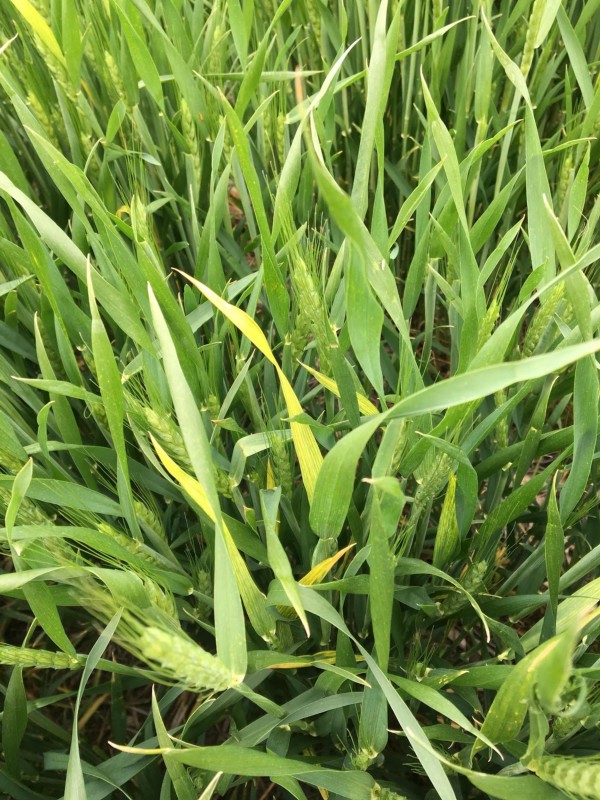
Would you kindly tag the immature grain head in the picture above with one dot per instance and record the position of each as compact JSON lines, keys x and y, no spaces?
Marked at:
{"x":381,"y":793}
{"x":574,"y":776}
{"x":542,"y":319}
{"x":30,"y":657}
{"x":180,"y":660}
{"x":281,"y":464}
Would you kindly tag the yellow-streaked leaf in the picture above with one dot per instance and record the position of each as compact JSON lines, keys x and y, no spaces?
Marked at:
{"x":364,"y":404}
{"x":316,"y":575}
{"x":141,"y":751}
{"x":40,"y":27}
{"x":327,"y":664}
{"x":7,"y":44}
{"x":307,"y":449}
{"x":253,"y":599}
{"x":320,"y":570}
{"x":572,"y":611}
{"x":187,"y":483}
{"x":277,"y":556}
{"x":271,"y":482}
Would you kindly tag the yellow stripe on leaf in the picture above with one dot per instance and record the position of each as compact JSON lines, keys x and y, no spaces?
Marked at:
{"x":40,"y":27}
{"x":306,"y":446}
{"x":319,"y":571}
{"x":365,"y":406}
{"x":254,"y":600}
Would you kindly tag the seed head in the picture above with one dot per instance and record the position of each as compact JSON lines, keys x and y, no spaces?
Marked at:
{"x":535,"y":19}
{"x":281,"y":464}
{"x":116,"y":80}
{"x":574,"y":776}
{"x":40,"y":659}
{"x":542,"y":319}
{"x":184,"y":662}
{"x":380,"y":793}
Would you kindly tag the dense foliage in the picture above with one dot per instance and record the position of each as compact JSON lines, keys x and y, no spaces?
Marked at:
{"x":299,"y":399}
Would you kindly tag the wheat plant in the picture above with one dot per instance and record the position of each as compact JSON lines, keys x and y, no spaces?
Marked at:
{"x":299,"y":464}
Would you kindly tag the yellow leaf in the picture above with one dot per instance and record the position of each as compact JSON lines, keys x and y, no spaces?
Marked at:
{"x":307,"y":449}
{"x":319,"y":571}
{"x":365,"y":406}
{"x":254,"y":600}
{"x":187,"y":483}
{"x":316,"y":575}
{"x":40,"y":27}
{"x":142,"y":751}
{"x":270,"y":476}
